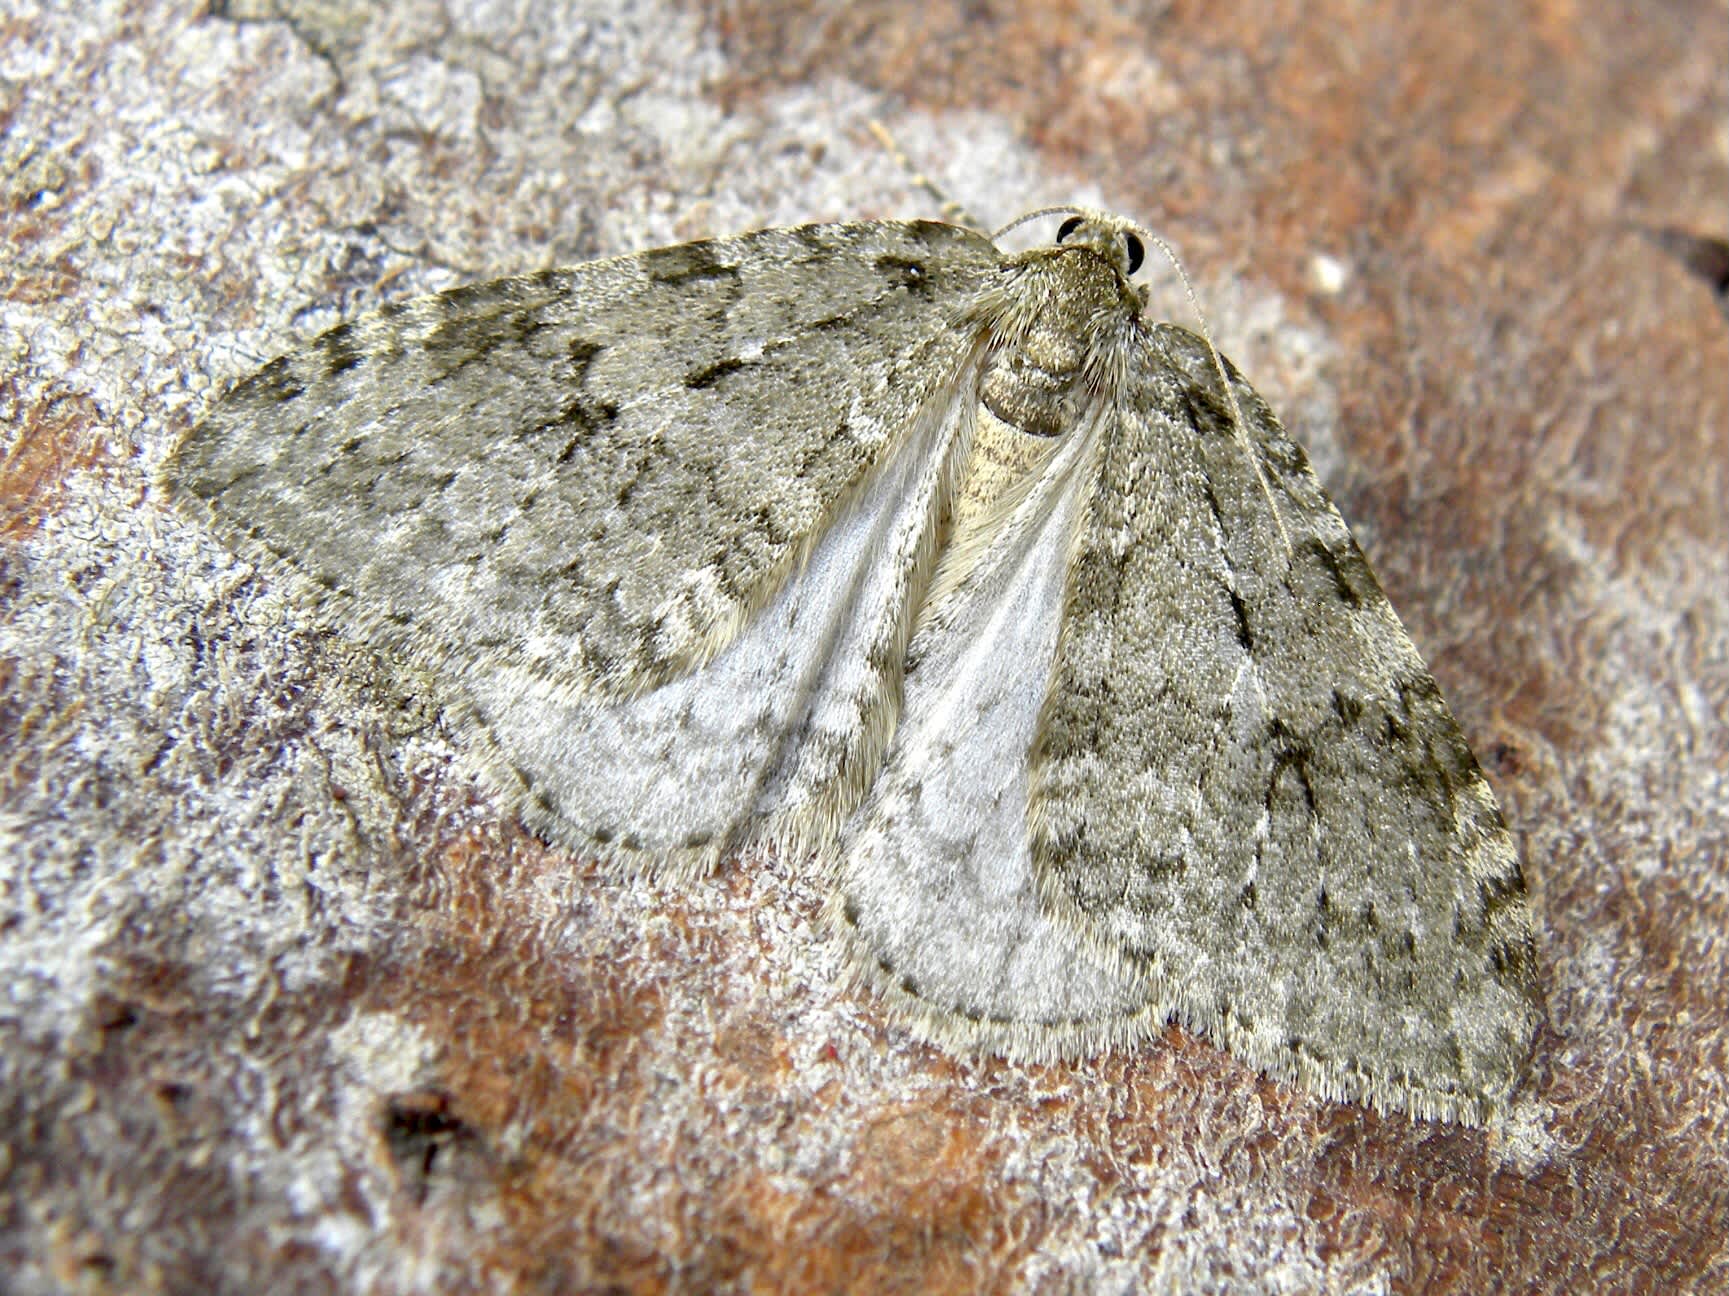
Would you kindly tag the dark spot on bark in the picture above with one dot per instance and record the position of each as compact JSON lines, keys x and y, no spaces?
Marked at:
{"x":114,"y":1016}
{"x":418,"y":1128}
{"x":1506,"y":758}
{"x":1704,"y":257}
{"x":174,"y":1094}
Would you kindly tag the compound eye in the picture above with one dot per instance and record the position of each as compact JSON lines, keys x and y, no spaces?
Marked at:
{"x":1068,"y":227}
{"x":1137,"y":253}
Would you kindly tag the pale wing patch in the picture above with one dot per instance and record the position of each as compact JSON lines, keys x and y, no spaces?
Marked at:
{"x":777,"y":737}
{"x":937,"y":889}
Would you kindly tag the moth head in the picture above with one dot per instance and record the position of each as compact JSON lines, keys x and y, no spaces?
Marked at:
{"x":1110,"y":237}
{"x":1120,"y":244}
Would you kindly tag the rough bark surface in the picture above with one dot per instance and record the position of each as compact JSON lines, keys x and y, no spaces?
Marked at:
{"x":291,"y":1006}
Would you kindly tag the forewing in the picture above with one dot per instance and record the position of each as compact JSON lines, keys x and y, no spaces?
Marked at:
{"x":593,"y":475}
{"x":1246,"y":780}
{"x":774,"y":739}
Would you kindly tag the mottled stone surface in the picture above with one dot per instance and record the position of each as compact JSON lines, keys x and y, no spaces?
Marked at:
{"x":291,"y":1005}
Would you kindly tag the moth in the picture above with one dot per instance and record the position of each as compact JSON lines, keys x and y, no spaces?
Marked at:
{"x":942,"y":568}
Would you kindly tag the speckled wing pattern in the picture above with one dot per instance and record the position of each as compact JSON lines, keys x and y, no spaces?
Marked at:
{"x":939,"y":565}
{"x":1246,"y":780}
{"x":566,"y":491}
{"x":595,"y":473}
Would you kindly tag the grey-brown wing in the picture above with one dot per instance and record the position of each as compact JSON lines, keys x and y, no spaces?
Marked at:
{"x":594,"y":474}
{"x":1246,"y":780}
